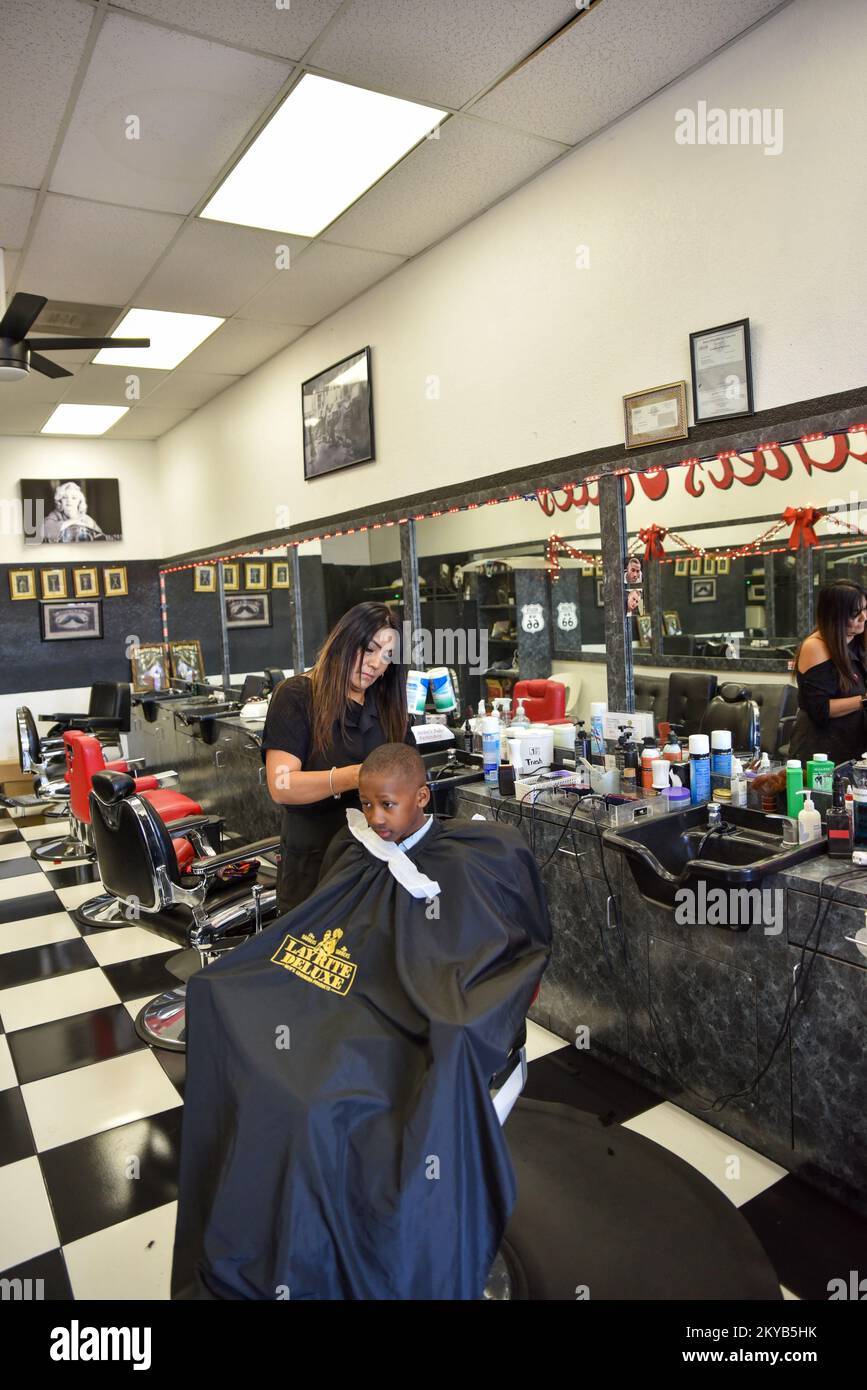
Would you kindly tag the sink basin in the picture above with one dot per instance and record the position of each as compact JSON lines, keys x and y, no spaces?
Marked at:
{"x":666,"y":853}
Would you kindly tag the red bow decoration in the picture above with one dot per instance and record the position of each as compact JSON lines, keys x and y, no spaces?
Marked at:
{"x":802,"y":521}
{"x":653,"y":537}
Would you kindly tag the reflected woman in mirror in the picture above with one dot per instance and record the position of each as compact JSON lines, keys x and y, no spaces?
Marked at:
{"x":831,"y":671}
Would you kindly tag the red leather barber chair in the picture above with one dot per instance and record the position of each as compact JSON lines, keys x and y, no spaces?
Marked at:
{"x":544,"y":701}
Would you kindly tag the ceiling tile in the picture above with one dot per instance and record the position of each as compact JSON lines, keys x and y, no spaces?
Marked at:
{"x":100,"y":385}
{"x":21,"y":417}
{"x":16,"y":209}
{"x":41,"y":44}
{"x":322,"y":279}
{"x":10,"y":263}
{"x":614,"y":57}
{"x":195,"y":101}
{"x":214,"y":268}
{"x":240,"y":345}
{"x":36,"y":388}
{"x":442,"y":184}
{"x":93,"y":252}
{"x":443,"y":52}
{"x":287,"y":31}
{"x":188,"y":390}
{"x":144,"y":423}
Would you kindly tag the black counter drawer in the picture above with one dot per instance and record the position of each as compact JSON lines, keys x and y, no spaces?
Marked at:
{"x":841,"y":922}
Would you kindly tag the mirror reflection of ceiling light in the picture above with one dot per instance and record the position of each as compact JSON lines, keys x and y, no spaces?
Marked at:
{"x":83,"y":419}
{"x":173,"y":337}
{"x":323,"y":147}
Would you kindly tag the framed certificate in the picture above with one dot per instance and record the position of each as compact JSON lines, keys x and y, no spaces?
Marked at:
{"x":655,"y":416}
{"x":722,"y":374}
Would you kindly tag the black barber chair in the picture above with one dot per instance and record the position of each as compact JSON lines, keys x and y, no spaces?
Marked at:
{"x":212,"y":904}
{"x":689,"y":693}
{"x":733,"y":708}
{"x":778,"y":705}
{"x":43,"y":759}
{"x":107,"y":714}
{"x":651,"y":693}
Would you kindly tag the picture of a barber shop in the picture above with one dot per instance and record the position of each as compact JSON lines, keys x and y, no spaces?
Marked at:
{"x":433,"y":696}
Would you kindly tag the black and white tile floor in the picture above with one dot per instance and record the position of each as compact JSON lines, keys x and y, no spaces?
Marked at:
{"x":90,"y":1116}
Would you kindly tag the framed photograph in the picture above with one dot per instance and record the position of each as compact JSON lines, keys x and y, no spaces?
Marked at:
{"x":644,"y":627}
{"x":85,"y":583}
{"x":671,"y":623}
{"x":652,"y":417}
{"x":756,"y":594}
{"x":256,"y":574}
{"x":600,"y":601}
{"x":722,"y":373}
{"x":724,"y":564}
{"x":598,"y":571}
{"x":680,"y":568}
{"x":280,"y":574}
{"x":205,"y":579}
{"x":53,"y":583}
{"x":114,"y":581}
{"x":149,"y":664}
{"x":337,"y":410}
{"x":231,"y":582}
{"x":702,"y":590}
{"x":695,"y":565}
{"x":248,"y":610}
{"x":709,"y":565}
{"x":22,"y":584}
{"x":634,"y":602}
{"x":68,"y":622}
{"x":632,"y":570}
{"x":61,"y":510}
{"x":185,"y":660}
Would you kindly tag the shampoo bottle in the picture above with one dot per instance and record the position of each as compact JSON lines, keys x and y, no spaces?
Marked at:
{"x":699,"y":768}
{"x":820,"y":771}
{"x":738,"y":784}
{"x":809,"y":820}
{"x":491,"y":749}
{"x":794,"y":785}
{"x":721,"y":753}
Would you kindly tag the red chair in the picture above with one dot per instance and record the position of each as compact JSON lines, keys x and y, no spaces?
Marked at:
{"x":544,"y":701}
{"x":84,"y":758}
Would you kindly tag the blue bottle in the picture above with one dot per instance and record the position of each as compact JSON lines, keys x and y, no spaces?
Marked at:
{"x":699,"y":768}
{"x":491,"y":750}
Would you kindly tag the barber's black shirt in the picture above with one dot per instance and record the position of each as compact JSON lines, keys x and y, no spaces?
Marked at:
{"x":841,"y":738}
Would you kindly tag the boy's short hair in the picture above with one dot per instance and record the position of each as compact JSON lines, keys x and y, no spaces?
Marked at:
{"x":396,"y":760}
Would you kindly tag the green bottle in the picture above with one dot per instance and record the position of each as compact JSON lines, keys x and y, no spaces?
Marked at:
{"x":820,"y":773}
{"x":794,"y":784}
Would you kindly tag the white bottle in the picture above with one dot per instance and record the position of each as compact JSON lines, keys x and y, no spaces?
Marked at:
{"x":738,"y":784}
{"x":809,"y":820}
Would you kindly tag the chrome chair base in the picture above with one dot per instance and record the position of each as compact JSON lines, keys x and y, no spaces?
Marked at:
{"x":103,"y":910}
{"x":67,"y":848}
{"x":163,"y":1021}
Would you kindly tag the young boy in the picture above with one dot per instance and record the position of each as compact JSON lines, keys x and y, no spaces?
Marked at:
{"x":393,"y":790}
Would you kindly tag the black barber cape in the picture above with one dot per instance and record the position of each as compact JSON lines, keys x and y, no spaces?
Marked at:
{"x":339,"y":1140}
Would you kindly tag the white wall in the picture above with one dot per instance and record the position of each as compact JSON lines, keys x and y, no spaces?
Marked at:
{"x":532,"y":355}
{"x":132,"y":462}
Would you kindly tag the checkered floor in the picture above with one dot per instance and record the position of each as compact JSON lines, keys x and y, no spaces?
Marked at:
{"x":90,"y":1116}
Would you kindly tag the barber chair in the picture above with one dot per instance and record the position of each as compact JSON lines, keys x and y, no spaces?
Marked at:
{"x":733,"y":709}
{"x":84,"y":757}
{"x":651,"y":693}
{"x":689,"y":694}
{"x":208,"y":903}
{"x":108,"y":714}
{"x":778,"y":705}
{"x":544,"y":702}
{"x":273,"y":677}
{"x":44,"y":760}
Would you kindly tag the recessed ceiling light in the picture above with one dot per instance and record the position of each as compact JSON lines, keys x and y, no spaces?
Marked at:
{"x":324,"y":147}
{"x":83,"y":419}
{"x":173,"y":337}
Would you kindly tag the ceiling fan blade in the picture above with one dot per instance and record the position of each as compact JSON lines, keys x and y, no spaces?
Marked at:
{"x":22,"y":311}
{"x":58,"y":344}
{"x":47,"y":368}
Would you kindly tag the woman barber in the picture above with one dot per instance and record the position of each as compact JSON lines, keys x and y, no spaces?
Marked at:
{"x":831,"y":670}
{"x":319,"y":729}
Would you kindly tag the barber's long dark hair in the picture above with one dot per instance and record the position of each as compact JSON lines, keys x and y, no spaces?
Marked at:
{"x":839,"y":603}
{"x":331,"y":676}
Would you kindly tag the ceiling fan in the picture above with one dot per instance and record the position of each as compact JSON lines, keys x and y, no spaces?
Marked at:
{"x":18,"y":353}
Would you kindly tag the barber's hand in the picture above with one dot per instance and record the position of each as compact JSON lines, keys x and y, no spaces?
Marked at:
{"x":349,"y":777}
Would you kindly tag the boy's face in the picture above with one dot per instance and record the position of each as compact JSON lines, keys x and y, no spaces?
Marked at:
{"x":392,"y":806}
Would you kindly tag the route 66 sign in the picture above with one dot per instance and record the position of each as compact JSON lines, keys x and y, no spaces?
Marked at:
{"x":532,"y":617}
{"x":567,"y":618}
